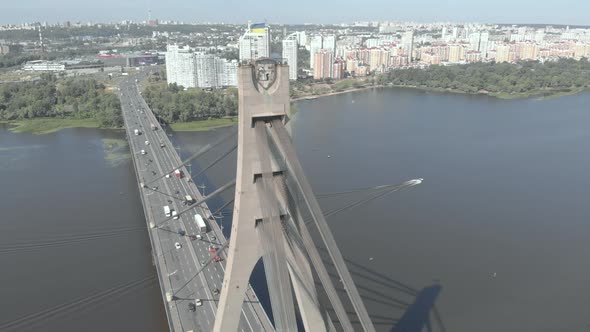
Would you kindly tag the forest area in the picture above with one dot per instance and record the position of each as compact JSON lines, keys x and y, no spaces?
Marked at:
{"x":70,"y":98}
{"x":497,"y":78}
{"x":174,"y":104}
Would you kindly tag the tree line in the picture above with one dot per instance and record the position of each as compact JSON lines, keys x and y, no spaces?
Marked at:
{"x":174,"y":104}
{"x":511,"y":78}
{"x":69,"y":98}
{"x":130,"y":30}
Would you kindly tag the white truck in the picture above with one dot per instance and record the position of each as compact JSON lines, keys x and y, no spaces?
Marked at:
{"x":201,"y":226}
{"x":167,"y":211}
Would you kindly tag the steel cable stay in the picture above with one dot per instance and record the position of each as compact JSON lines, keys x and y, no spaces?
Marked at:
{"x":198,"y":203}
{"x":76,"y":304}
{"x":378,"y":193}
{"x":197,"y":154}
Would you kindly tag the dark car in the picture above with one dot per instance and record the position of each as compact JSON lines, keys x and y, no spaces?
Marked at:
{"x":181,"y":232}
{"x":192,"y":307}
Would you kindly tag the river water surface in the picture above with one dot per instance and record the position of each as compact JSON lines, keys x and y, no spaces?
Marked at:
{"x":494,"y":239}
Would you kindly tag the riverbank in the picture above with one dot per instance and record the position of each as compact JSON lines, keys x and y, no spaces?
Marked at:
{"x":540,"y":94}
{"x":39,"y":126}
{"x":333,"y":93}
{"x":204,"y":125}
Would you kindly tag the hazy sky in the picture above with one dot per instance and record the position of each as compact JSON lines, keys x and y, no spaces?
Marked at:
{"x":575,"y":12}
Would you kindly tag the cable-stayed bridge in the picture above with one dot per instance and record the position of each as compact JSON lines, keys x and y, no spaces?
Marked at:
{"x":205,"y":280}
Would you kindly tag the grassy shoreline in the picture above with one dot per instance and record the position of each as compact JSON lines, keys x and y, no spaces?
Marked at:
{"x":541,"y":94}
{"x":39,"y":126}
{"x":204,"y":125}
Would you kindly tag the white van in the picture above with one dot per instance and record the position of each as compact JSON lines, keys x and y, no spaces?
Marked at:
{"x":174,"y":214}
{"x":167,"y":211}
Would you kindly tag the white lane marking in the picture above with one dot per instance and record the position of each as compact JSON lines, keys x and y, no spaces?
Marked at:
{"x":183,"y":185}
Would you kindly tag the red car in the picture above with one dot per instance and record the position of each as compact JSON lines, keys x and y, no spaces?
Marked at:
{"x":217,"y":259}
{"x":212,"y":249}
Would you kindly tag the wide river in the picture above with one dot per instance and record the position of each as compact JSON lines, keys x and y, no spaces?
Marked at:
{"x":500,"y":226}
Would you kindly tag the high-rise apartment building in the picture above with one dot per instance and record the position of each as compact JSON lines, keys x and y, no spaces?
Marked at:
{"x":408,"y":43}
{"x":255,"y":42}
{"x":324,"y":60}
{"x":301,"y":38}
{"x":474,"y":41}
{"x":314,"y":46}
{"x":456,"y":53}
{"x":484,"y":41}
{"x":528,"y":51}
{"x":290,"y":55}
{"x":206,"y":70}
{"x":180,"y":66}
{"x":329,"y":43}
{"x":539,"y":36}
{"x":455,"y":34}
{"x":503,"y":53}
{"x":338,"y":69}
{"x":227,"y":72}
{"x":199,"y":70}
{"x":478,"y":41}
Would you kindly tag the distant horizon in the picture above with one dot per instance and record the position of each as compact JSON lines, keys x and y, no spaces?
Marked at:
{"x":204,"y":22}
{"x":566,"y":12}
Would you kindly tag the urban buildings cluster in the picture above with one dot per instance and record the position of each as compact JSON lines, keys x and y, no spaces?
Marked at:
{"x":317,"y":51}
{"x":194,"y":69}
{"x":337,"y":53}
{"x":414,"y":45}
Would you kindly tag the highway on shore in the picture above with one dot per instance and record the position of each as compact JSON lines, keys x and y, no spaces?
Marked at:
{"x":178,"y":267}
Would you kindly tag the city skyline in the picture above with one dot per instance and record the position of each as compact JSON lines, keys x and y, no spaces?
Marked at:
{"x":501,"y":12}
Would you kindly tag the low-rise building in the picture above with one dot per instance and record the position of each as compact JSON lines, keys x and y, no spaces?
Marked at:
{"x":43,"y":65}
{"x":4,"y":49}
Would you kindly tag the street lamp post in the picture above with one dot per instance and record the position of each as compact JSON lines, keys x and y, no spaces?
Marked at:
{"x":220,"y":217}
{"x":203,"y":186}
